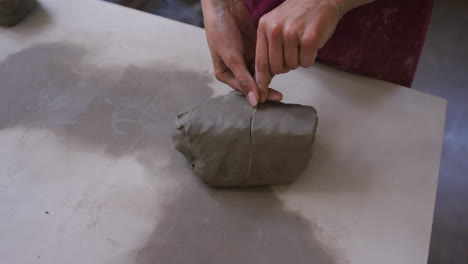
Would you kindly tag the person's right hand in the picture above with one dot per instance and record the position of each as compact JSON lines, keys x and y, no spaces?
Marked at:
{"x":290,"y":36}
{"x":231,"y":36}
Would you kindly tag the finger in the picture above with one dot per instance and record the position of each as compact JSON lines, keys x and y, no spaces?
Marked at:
{"x":228,"y":78}
{"x":308,"y":50}
{"x":291,"y":50}
{"x":275,"y":50}
{"x":224,"y":74}
{"x":315,"y":36}
{"x":247,"y":84}
{"x":306,"y":57}
{"x":262,"y":65}
{"x":274,"y":95}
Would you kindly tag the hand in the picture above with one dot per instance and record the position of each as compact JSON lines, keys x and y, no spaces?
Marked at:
{"x":290,"y":35}
{"x":231,"y":37}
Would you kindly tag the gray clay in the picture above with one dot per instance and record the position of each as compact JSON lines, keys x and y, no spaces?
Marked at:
{"x":13,"y":11}
{"x":229,"y":143}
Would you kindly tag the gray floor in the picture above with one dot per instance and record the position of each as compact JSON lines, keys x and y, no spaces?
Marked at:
{"x":442,"y":71}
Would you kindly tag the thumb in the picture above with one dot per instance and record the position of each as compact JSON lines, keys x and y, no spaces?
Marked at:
{"x":262,"y":65}
{"x":235,"y":62}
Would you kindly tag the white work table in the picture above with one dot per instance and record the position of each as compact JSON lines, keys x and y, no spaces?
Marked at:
{"x":88,"y":174}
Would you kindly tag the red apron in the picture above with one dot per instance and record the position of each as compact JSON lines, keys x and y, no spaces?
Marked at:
{"x":382,"y":39}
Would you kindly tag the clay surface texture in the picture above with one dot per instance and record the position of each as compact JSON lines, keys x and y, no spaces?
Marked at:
{"x":229,"y":143}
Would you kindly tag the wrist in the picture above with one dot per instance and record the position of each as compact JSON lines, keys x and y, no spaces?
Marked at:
{"x":218,"y":5}
{"x":213,"y":9}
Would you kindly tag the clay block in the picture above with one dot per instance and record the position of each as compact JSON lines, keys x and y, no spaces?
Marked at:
{"x":14,"y":11}
{"x":229,"y":143}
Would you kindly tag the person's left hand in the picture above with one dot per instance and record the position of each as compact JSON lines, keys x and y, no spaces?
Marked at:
{"x":231,"y":38}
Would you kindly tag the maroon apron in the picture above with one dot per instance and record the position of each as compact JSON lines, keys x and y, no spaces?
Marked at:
{"x":382,"y":39}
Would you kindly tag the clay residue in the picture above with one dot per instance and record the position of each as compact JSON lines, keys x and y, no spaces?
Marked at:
{"x":248,"y":225}
{"x":130,"y":111}
{"x":118,"y":111}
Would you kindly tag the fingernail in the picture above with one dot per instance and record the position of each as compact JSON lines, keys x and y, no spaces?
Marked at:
{"x":252,"y":98}
{"x":278,"y":96}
